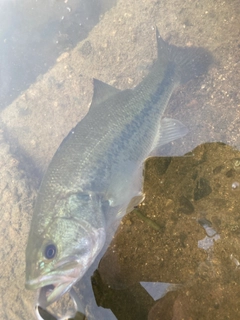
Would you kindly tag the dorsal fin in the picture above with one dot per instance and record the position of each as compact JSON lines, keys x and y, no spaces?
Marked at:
{"x":102,"y":91}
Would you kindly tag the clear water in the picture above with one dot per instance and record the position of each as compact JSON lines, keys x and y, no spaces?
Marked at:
{"x":183,"y":261}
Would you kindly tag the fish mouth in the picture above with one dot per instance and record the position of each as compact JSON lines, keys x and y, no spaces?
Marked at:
{"x":50,"y":291}
{"x":54,"y":284}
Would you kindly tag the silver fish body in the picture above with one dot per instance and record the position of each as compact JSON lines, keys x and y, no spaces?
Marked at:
{"x":97,"y":170}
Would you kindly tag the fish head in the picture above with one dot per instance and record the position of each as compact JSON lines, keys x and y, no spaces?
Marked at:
{"x":59,"y":253}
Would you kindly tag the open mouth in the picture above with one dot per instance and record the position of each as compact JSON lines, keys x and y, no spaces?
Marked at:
{"x":50,"y":289}
{"x":44,"y":294}
{"x":61,"y":309}
{"x":54,"y":284}
{"x":52,"y":292}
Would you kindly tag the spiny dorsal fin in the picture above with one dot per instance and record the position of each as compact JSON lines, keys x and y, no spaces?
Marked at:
{"x":102,"y":91}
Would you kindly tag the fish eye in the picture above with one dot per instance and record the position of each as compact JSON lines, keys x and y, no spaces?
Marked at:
{"x":50,"y":251}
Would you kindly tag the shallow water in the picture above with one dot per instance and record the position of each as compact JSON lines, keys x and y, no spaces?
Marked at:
{"x":185,"y":196}
{"x":35,"y":33}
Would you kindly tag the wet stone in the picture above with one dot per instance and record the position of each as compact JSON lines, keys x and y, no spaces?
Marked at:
{"x":186,"y":206}
{"x":202,"y":189}
{"x":86,"y":48}
{"x":204,"y":222}
{"x":230,"y":173}
{"x":218,"y":169}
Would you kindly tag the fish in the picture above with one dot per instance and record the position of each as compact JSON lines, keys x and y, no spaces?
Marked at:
{"x":96,"y":174}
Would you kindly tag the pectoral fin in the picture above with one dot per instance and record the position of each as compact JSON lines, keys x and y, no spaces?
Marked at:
{"x":126,"y":185}
{"x":170,"y":130}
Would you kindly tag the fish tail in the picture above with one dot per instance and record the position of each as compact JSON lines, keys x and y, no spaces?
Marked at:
{"x":190,"y":62}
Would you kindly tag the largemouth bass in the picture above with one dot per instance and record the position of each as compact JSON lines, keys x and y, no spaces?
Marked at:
{"x":97,"y":170}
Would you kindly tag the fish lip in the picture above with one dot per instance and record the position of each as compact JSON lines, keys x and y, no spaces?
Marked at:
{"x":50,"y":289}
{"x":71,"y":264}
{"x":60,"y":282}
{"x":47,"y":295}
{"x":42,"y":281}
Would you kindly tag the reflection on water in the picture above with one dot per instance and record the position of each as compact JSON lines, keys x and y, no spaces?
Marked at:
{"x":189,"y":197}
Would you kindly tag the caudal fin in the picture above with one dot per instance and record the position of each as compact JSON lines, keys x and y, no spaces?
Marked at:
{"x":191,"y":62}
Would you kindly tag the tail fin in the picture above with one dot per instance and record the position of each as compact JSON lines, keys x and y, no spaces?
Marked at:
{"x":191,"y":62}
